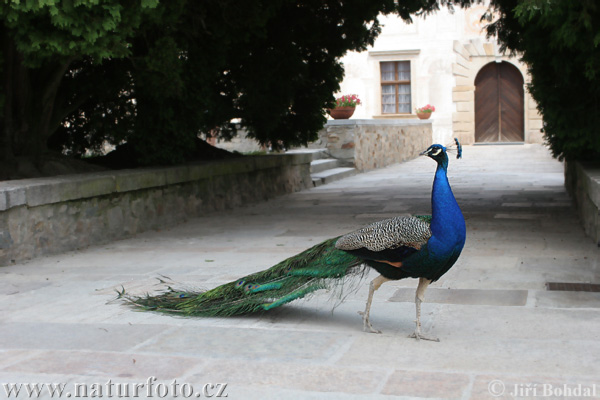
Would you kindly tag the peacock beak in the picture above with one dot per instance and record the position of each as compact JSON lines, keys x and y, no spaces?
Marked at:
{"x":424,"y":153}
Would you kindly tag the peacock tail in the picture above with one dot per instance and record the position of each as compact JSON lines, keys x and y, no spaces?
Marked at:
{"x":313,"y":269}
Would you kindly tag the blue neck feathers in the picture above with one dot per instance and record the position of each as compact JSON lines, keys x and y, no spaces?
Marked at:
{"x":447,"y":222}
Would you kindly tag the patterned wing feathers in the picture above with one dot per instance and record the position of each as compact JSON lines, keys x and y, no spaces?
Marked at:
{"x":388,"y":234}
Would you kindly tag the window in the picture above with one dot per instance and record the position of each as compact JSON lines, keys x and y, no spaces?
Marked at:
{"x":395,"y":87}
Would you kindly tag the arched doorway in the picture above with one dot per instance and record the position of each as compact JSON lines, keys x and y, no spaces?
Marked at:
{"x":499,"y":104}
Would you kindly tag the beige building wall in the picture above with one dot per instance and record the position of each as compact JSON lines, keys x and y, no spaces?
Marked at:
{"x":446,"y":51}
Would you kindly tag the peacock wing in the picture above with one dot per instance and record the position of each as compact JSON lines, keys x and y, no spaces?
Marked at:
{"x":389,"y":234}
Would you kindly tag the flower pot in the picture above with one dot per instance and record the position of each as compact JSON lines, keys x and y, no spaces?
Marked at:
{"x":341,"y":112}
{"x":424,"y":115}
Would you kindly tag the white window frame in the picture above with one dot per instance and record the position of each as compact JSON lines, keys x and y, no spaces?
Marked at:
{"x":394,"y":56}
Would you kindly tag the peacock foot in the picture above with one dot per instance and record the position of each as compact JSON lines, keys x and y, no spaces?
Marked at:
{"x":367,"y":327}
{"x":419,"y":336}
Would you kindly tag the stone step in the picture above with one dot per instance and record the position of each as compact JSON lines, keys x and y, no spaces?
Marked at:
{"x":323,"y":164}
{"x":332,"y":175}
{"x":317,"y":154}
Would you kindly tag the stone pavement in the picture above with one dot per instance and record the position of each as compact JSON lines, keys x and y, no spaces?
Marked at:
{"x":500,"y":329}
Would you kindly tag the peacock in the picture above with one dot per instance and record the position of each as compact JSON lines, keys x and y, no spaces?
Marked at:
{"x":421,"y":246}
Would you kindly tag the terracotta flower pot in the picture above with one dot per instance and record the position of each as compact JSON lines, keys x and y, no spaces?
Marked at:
{"x":424,"y":115}
{"x":341,"y":112}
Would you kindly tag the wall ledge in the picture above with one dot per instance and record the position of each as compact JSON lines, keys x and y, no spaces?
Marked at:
{"x":378,"y":121}
{"x":51,"y":215}
{"x":40,"y":191}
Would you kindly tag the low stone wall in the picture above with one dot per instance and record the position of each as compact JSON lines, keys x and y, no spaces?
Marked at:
{"x":583,"y":184}
{"x":240,"y":143}
{"x":50,"y":215}
{"x":375,"y":143}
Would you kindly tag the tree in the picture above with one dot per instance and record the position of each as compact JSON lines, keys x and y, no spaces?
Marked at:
{"x":273,"y":66}
{"x":156,"y":74}
{"x":40,"y":41}
{"x":559,"y":41}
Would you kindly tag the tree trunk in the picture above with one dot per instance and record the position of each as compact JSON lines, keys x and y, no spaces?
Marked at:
{"x":6,"y":149}
{"x":47,"y":103}
{"x":29,"y":115}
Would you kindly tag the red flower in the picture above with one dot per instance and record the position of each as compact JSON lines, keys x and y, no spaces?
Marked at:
{"x":349,"y":100}
{"x":426,"y":109}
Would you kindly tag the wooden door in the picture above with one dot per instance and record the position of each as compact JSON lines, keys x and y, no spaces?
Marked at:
{"x":499,"y":104}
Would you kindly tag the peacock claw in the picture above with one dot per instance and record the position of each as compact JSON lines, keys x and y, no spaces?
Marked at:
{"x":371,"y":329}
{"x":419,"y":336}
{"x":367,"y":323}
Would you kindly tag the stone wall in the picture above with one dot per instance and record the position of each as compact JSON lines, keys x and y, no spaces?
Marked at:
{"x":583,"y":184}
{"x":375,"y":143}
{"x":240,"y":143}
{"x":50,"y":215}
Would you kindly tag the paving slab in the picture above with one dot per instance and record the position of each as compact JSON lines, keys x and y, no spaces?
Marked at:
{"x":497,"y":297}
{"x":502,"y":332}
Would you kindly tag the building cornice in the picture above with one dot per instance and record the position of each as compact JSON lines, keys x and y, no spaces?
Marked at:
{"x":394,"y":53}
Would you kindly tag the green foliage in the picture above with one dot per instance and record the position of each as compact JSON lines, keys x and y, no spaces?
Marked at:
{"x":47,"y":29}
{"x":46,"y":45}
{"x":98,"y":105}
{"x":559,"y":41}
{"x":155,"y":74}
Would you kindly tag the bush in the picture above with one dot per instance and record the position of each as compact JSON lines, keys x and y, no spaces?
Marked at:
{"x":559,"y":40}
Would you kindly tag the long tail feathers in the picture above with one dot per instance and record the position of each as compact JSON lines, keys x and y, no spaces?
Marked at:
{"x":289,"y":280}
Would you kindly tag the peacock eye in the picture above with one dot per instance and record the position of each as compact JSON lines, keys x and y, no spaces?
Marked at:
{"x":436,"y":152}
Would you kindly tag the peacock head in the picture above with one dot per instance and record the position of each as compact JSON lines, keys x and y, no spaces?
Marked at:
{"x":436,"y":152}
{"x":439,"y":153}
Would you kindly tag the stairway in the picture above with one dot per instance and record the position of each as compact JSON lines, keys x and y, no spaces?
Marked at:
{"x":324,"y":170}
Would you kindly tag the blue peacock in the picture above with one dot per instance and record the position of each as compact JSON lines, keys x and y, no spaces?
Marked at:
{"x":421,"y":246}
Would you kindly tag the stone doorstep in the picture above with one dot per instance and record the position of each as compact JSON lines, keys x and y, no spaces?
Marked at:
{"x":324,"y":169}
{"x":332,"y":175}
{"x":323,"y":165}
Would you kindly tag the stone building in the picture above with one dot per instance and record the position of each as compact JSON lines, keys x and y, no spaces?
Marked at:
{"x":445,"y":60}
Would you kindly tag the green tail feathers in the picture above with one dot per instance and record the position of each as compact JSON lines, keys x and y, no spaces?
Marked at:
{"x":289,"y":280}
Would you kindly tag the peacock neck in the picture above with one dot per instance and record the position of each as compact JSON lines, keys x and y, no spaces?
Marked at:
{"x":446,"y":217}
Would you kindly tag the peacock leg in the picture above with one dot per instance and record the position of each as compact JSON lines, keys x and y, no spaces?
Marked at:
{"x":373,"y":286}
{"x":423,"y":283}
